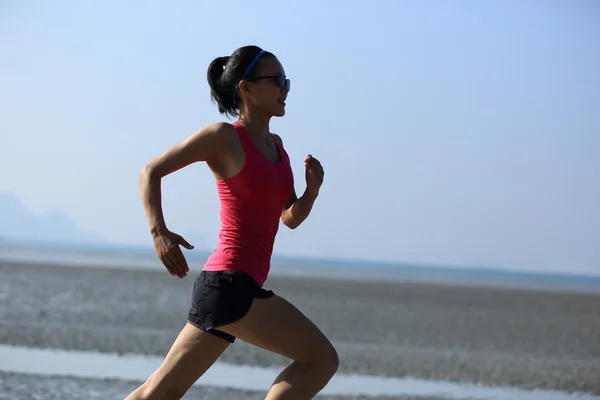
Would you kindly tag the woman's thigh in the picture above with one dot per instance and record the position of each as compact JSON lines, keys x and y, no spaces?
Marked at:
{"x":276,"y":325}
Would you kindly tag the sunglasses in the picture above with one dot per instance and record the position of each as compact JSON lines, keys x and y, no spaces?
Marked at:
{"x":280,"y":80}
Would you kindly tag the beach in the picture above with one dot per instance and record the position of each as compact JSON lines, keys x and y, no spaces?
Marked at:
{"x":501,"y":337}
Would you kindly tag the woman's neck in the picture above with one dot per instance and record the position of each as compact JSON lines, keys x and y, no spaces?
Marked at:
{"x":256,"y":126}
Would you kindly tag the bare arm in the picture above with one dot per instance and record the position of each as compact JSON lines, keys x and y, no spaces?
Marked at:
{"x":201,"y":146}
{"x":297,"y":209}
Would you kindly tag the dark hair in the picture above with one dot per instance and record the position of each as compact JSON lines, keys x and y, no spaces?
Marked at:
{"x":224,"y":74}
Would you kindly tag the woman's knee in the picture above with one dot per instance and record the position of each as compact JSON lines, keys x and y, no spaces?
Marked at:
{"x":326,"y":359}
{"x":331,"y":359}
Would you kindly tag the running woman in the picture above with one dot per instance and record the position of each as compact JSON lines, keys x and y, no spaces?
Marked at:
{"x":256,"y":189}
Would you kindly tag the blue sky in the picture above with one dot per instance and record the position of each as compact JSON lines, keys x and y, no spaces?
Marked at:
{"x":459,"y":133}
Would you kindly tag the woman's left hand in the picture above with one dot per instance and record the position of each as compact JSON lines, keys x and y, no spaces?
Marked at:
{"x":314,"y":175}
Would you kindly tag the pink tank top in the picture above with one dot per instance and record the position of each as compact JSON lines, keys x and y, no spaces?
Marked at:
{"x":251,"y":206}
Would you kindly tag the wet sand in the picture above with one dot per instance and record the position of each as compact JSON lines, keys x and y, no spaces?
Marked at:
{"x":526,"y":339}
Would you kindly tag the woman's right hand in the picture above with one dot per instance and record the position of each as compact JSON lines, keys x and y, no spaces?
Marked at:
{"x":167,"y":247}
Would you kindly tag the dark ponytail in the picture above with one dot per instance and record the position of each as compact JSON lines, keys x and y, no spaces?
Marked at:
{"x":224,"y":74}
{"x":218,"y":92}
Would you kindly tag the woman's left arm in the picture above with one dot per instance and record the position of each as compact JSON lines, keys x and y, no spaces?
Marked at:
{"x":298,"y":209}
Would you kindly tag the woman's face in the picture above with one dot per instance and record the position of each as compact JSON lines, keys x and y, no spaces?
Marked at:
{"x":267,"y":87}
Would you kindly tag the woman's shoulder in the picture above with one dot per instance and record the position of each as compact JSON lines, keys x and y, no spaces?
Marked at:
{"x":223,"y":129}
{"x":210,"y":140}
{"x":222,"y":133}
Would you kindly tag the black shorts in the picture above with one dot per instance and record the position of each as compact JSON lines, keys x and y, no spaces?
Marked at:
{"x":221,"y":298}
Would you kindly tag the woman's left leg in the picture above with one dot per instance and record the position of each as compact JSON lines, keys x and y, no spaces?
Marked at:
{"x":278,"y":326}
{"x":192,"y":354}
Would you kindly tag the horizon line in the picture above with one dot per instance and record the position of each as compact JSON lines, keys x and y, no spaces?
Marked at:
{"x":95,"y":246}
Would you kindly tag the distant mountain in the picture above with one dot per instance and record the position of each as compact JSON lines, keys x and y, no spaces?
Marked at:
{"x":19,"y":224}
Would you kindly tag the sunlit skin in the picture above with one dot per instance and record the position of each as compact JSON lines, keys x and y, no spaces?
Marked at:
{"x":273,"y":324}
{"x":219,"y":146}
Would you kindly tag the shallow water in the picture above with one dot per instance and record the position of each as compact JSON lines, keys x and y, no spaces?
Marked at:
{"x":138,"y":367}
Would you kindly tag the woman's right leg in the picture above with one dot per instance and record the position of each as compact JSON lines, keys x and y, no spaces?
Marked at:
{"x":276,"y":325}
{"x":192,"y":354}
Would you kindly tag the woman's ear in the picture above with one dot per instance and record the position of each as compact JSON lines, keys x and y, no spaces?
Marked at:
{"x":244,"y":86}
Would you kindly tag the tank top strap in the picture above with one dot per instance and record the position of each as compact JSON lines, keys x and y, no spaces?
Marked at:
{"x":247,"y":142}
{"x":243,"y":134}
{"x":282,"y":152}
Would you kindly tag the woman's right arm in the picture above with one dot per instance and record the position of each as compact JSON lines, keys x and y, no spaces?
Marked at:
{"x":203,"y":145}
